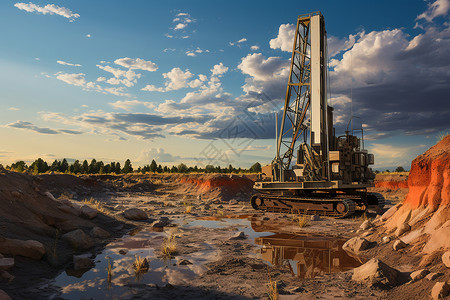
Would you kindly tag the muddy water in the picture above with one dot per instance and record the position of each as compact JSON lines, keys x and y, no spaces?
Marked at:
{"x":307,"y":256}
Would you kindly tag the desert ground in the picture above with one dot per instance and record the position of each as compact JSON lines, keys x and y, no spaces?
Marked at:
{"x":196,"y":236}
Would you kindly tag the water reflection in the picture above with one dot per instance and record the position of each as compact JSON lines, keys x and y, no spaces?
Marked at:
{"x":307,"y":256}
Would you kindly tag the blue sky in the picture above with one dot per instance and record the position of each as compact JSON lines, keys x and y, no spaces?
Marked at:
{"x":174,"y":80}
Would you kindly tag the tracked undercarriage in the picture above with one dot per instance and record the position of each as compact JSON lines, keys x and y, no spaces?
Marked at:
{"x":331,"y":205}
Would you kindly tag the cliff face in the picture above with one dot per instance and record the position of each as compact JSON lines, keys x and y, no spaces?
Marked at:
{"x":426,"y":208}
{"x":429,"y":179}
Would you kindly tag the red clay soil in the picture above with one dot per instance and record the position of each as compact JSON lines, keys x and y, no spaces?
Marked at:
{"x":429,"y":179}
{"x":392,"y":182}
{"x":229,"y":185}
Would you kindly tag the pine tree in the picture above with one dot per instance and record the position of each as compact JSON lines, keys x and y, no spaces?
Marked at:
{"x":153,"y":166}
{"x":127,"y":168}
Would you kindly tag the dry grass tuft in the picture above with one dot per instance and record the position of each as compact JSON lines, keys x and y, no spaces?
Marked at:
{"x":169,"y":246}
{"x":188,"y":207}
{"x":140,"y":265}
{"x":302,"y":221}
{"x":109,"y":270}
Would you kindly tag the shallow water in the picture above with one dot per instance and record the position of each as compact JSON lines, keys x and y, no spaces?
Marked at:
{"x":307,"y":255}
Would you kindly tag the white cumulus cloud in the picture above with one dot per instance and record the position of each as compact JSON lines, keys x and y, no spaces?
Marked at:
{"x":285,"y":38}
{"x":435,"y":9}
{"x":137,"y":64}
{"x":50,"y":9}
{"x":67,"y":64}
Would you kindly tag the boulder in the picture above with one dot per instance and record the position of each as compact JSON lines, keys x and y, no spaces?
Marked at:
{"x":376,"y":273}
{"x":81,"y":262}
{"x":386,"y":239}
{"x":315,"y":218}
{"x":446,"y":259}
{"x":238,"y":236}
{"x":355,"y":245}
{"x":135,"y":214}
{"x":6,"y":263}
{"x":398,"y":244}
{"x":440,"y":290}
{"x":88,"y":212}
{"x":433,"y":276}
{"x":402,"y":228}
{"x":30,"y":248}
{"x":5,"y":275}
{"x":419,"y":274}
{"x":184,"y":262}
{"x":4,"y":295}
{"x":78,"y":239}
{"x":99,"y":233}
{"x":366,"y":225}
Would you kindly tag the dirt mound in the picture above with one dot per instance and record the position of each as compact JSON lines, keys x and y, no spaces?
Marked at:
{"x":216,"y":185}
{"x":392,"y":182}
{"x":426,"y":208}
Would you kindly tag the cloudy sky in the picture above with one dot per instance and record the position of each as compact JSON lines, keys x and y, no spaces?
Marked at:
{"x":199,"y":81}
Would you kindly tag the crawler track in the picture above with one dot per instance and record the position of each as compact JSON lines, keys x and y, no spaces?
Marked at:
{"x":338,"y":206}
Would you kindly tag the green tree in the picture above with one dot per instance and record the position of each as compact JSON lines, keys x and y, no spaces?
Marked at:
{"x":153,"y":166}
{"x":76,"y":167}
{"x":64,"y":166}
{"x":255,"y":168}
{"x":400,"y":169}
{"x":159,"y":169}
{"x":85,"y":167}
{"x":19,"y":166}
{"x":182,"y":168}
{"x":127,"y":168}
{"x":118,"y":169}
{"x":39,"y":166}
{"x":55,"y":166}
{"x":210,"y":169}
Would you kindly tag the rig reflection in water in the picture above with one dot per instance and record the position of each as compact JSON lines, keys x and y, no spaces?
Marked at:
{"x":306,"y":255}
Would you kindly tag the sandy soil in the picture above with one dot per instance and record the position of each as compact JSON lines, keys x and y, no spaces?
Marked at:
{"x":233,"y":268}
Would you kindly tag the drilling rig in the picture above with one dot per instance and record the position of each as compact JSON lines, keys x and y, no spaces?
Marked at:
{"x":314,"y":171}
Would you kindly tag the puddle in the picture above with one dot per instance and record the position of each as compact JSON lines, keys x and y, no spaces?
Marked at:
{"x":94,"y":283}
{"x":307,"y":255}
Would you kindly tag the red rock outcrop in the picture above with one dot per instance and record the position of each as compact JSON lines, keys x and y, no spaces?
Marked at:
{"x":426,"y":208}
{"x":429,"y":179}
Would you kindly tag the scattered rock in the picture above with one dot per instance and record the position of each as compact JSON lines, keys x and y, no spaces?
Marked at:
{"x":266,"y":219}
{"x":366,"y":234}
{"x":169,"y":286}
{"x":81,"y":262}
{"x":376,"y":273}
{"x":99,"y":233}
{"x":184,"y":262}
{"x":78,"y":239}
{"x":135,"y":214}
{"x":355,"y":245}
{"x":402,"y":228}
{"x":398,"y":244}
{"x":4,"y":295}
{"x":16,"y":194}
{"x":123,"y":251}
{"x":5,"y":275}
{"x":433,"y":276}
{"x":6,"y":263}
{"x":366,"y":225}
{"x":446,"y":259}
{"x":440,"y":290}
{"x":48,"y":194}
{"x":238,"y":236}
{"x":417,"y":275}
{"x":88,"y":212}
{"x":207,"y":206}
{"x":30,"y":248}
{"x":386,"y":239}
{"x":315,"y":218}
{"x":233,"y":202}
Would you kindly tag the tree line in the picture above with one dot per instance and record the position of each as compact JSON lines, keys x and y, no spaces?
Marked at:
{"x":40,"y":166}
